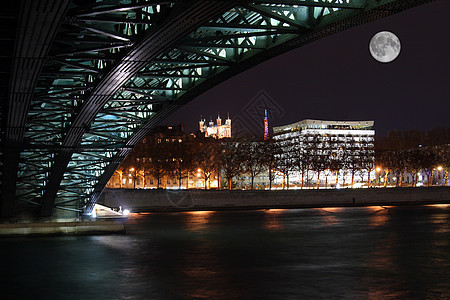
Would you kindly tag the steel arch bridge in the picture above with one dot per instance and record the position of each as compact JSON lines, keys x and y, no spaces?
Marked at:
{"x":83,"y":81}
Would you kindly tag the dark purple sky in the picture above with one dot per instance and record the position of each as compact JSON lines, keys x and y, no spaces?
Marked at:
{"x":336,"y":78}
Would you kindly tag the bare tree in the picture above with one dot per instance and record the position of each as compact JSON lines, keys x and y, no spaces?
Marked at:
{"x":158,"y":162}
{"x":207,"y":158}
{"x":429,"y":161}
{"x":302,"y":163}
{"x":253,"y":159}
{"x":318,"y":156}
{"x":181,"y":154}
{"x":230,"y":161}
{"x":414,"y":163}
{"x":335,"y":165}
{"x":284,"y":162}
{"x":268,"y":158}
{"x":444,"y":159}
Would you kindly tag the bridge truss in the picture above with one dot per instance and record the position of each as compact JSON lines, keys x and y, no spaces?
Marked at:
{"x":88,"y":79}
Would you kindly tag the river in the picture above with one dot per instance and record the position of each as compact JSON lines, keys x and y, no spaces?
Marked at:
{"x":327,"y":253}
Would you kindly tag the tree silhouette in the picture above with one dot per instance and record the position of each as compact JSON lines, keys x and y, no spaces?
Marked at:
{"x":181,"y":160}
{"x":231,"y":160}
{"x":253,"y":159}
{"x":207,"y":158}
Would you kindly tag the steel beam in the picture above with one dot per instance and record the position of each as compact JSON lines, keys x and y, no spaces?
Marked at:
{"x":38,"y":24}
{"x":188,"y":16}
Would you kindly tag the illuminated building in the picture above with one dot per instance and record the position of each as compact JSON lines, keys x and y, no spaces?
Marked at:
{"x":343,"y":148}
{"x":217,"y":130}
{"x":165,"y":158}
{"x":321,"y":127}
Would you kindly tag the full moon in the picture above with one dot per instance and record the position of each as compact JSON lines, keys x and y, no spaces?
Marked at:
{"x":384,"y":46}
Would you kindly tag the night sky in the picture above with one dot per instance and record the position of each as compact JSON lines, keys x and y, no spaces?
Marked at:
{"x":336,"y":78}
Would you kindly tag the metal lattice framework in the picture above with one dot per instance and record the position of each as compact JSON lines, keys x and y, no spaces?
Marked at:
{"x":93,"y":77}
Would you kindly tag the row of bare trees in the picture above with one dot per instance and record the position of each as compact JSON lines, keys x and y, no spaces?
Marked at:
{"x":177,"y":159}
{"x":310,"y":156}
{"x":414,"y":151}
{"x":233,"y":159}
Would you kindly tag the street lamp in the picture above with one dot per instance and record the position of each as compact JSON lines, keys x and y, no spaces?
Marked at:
{"x":378,"y":170}
{"x":132,"y":169}
{"x":327,"y":173}
{"x":439,"y":168}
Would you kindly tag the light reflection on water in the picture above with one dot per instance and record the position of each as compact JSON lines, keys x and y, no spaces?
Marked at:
{"x":328,"y":215}
{"x":197,"y":220}
{"x":272,"y":220}
{"x":380,"y":215}
{"x":351,"y":253}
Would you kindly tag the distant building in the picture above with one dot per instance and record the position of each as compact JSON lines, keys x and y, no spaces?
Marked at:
{"x":134,"y":170}
{"x":322,"y":145}
{"x":153,"y":162}
{"x":166,"y":133}
{"x":217,"y":130}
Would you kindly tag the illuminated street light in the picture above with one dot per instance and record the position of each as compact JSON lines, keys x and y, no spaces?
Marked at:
{"x":132,"y":169}
{"x":378,"y":170}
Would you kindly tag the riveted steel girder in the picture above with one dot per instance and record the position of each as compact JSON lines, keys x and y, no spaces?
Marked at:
{"x":185,"y":18}
{"x":37,"y":26}
{"x":117,"y":68}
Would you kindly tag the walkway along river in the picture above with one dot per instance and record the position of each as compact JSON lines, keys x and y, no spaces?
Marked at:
{"x":139,"y":200}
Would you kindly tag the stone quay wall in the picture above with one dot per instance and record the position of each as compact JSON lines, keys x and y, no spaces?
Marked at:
{"x":63,"y":228}
{"x":140,"y":200}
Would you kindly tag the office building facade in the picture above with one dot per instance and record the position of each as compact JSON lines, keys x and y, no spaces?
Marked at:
{"x":319,"y":152}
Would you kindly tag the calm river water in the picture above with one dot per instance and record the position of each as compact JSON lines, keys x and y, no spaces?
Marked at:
{"x":330,"y":253}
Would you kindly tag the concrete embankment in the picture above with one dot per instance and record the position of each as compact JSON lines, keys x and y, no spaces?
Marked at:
{"x":62,"y":228}
{"x":186,"y":200}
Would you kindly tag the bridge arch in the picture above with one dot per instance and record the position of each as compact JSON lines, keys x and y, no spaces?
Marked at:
{"x":110,"y":71}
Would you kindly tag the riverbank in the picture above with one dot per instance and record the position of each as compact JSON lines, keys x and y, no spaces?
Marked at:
{"x":63,"y":228}
{"x":138,"y":200}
